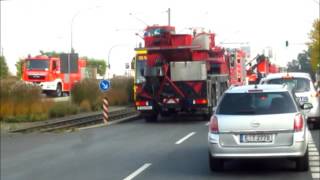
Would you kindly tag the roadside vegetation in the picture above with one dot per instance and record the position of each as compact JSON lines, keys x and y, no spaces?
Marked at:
{"x":21,"y":102}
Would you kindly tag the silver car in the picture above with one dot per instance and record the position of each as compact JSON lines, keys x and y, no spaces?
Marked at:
{"x":258,"y":121}
{"x":304,"y":90}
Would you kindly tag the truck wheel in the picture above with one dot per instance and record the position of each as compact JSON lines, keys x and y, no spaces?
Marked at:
{"x":215,"y":164}
{"x":302,"y":163}
{"x":58,"y":92}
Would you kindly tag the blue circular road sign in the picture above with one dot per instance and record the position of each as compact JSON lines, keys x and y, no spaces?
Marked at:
{"x":104,"y":85}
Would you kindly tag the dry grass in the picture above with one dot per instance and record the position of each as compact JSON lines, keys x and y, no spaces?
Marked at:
{"x":88,"y":92}
{"x":21,"y":102}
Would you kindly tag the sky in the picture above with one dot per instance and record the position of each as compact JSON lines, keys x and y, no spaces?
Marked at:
{"x":105,"y":29}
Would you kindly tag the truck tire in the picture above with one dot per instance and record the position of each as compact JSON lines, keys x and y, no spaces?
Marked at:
{"x":58,"y":92}
{"x":302,"y":163}
{"x":215,"y":164}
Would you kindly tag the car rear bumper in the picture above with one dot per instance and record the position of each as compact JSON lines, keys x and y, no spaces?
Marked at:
{"x":298,"y":149}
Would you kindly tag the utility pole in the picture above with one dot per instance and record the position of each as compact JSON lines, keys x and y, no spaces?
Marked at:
{"x":169,"y":16}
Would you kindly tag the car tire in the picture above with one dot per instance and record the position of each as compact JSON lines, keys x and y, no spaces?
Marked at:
{"x":302,"y":163}
{"x":58,"y":92}
{"x":215,"y":164}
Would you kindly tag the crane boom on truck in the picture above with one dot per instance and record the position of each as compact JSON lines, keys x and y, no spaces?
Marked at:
{"x":176,"y":73}
{"x":260,"y":69}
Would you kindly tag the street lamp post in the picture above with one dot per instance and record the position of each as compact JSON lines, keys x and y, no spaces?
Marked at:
{"x":109,"y":53}
{"x":108,"y":60}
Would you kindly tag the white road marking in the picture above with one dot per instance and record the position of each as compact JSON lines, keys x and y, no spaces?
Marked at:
{"x":314,"y":158}
{"x":312,"y":149}
{"x":185,"y":138}
{"x":137,"y":172}
{"x":315,"y":169}
{"x":312,"y":145}
{"x":315,"y":175}
{"x":314,"y":163}
{"x":313,"y":153}
{"x":207,"y":124}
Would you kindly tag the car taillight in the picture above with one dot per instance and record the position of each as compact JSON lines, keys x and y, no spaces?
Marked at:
{"x":298,"y":122}
{"x":200,"y":101}
{"x":142,"y":103}
{"x":214,"y":127}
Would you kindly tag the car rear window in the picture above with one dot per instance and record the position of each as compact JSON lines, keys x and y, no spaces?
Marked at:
{"x":256,"y":103}
{"x":298,"y":84}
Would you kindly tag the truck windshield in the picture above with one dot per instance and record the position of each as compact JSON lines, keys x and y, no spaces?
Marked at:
{"x":256,"y":103}
{"x":36,"y":64}
{"x":299,"y":84}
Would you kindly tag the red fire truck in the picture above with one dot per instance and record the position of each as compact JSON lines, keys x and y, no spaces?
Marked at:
{"x":55,"y":75}
{"x":183,"y":73}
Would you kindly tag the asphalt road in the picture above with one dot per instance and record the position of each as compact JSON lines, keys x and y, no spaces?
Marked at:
{"x":170,"y":149}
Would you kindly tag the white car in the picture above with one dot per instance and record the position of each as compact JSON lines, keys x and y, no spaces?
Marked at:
{"x":258,"y":121}
{"x":304,"y":90}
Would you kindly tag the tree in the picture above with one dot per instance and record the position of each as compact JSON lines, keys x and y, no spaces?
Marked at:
{"x":4,"y":70}
{"x":302,"y":64}
{"x":315,"y":45}
{"x":100,"y":64}
{"x":19,"y":68}
{"x":50,"y":53}
{"x":293,"y":66}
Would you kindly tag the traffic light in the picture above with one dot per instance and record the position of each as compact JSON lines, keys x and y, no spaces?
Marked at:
{"x":287,"y":43}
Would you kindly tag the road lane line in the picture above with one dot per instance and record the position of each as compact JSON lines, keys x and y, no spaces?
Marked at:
{"x":315,"y":169}
{"x":314,"y":159}
{"x":207,"y":124}
{"x":137,"y":172}
{"x":312,"y":145}
{"x":314,"y":163}
{"x":311,"y":149}
{"x":185,"y":138}
{"x":313,"y":153}
{"x":315,"y":175}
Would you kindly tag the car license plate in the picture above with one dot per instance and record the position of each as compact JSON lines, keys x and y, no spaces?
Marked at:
{"x":144,"y":108}
{"x":255,"y":138}
{"x":303,"y":99}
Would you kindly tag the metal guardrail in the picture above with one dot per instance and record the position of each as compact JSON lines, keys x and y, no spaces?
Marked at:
{"x":78,"y":122}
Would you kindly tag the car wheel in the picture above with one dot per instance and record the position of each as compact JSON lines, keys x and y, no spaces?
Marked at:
{"x":302,"y":163}
{"x":215,"y":164}
{"x":58,"y":92}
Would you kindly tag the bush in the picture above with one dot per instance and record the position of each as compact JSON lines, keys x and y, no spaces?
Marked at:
{"x":87,"y":90}
{"x":60,"y":109}
{"x":121,"y":92}
{"x":85,"y":106}
{"x":21,"y":102}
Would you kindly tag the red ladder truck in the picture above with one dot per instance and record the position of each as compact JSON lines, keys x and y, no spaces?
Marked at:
{"x":183,"y":73}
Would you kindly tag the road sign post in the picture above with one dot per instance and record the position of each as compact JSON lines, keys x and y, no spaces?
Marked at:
{"x":104,"y":86}
{"x":105,"y":108}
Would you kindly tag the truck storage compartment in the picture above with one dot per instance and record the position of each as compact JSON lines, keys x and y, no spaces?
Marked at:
{"x":188,"y":71}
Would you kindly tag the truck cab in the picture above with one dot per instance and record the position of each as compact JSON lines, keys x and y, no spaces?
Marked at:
{"x":52,"y":74}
